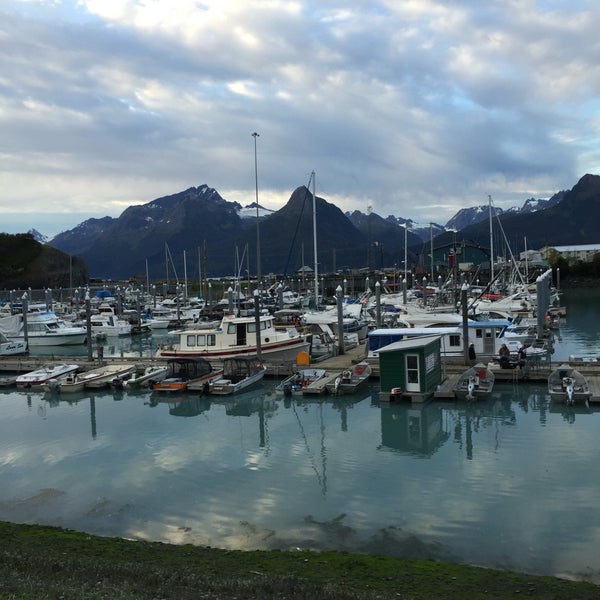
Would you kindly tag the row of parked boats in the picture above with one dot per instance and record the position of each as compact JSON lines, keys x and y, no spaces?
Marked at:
{"x":189,"y":374}
{"x":566,"y":384}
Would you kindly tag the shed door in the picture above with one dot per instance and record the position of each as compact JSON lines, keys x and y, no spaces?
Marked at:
{"x":412,"y":372}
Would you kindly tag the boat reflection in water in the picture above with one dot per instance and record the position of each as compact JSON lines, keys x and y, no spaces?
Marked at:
{"x":142,"y":345}
{"x":188,"y":407}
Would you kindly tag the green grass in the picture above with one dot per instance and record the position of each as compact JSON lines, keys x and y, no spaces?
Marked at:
{"x":49,"y":563}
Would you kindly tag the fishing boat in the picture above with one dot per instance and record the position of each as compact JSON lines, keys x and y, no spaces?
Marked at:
{"x":65,"y":384}
{"x":476,"y":383}
{"x":566,"y":384}
{"x":299,"y":381}
{"x":239,"y":373}
{"x":350,"y":380}
{"x":36,"y":379}
{"x":142,"y":376}
{"x":183,"y":372}
{"x":235,"y":336}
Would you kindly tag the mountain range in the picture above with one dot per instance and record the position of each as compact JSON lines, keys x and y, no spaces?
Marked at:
{"x":196,"y":230}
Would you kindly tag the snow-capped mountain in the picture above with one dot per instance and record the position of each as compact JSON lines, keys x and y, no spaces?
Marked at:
{"x":37,"y":236}
{"x":247,"y":212}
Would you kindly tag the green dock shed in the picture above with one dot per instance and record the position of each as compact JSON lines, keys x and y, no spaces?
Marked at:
{"x":410,"y":369}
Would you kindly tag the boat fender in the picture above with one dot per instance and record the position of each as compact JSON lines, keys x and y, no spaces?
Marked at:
{"x":395,"y":393}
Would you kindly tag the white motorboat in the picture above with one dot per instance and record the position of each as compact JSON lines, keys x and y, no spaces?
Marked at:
{"x":239,"y":373}
{"x":235,"y":336}
{"x":36,"y":380}
{"x":104,"y":326}
{"x":108,"y":323}
{"x":353,"y":321}
{"x":44,"y":328}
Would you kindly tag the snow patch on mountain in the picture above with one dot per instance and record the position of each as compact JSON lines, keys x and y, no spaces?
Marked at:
{"x":249,"y":211}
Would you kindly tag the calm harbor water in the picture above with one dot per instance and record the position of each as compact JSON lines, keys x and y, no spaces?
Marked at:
{"x":509,"y":483}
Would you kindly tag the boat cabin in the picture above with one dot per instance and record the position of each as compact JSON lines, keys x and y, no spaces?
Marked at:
{"x":486,"y":336}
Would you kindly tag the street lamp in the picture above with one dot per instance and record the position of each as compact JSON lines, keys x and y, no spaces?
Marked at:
{"x":255,"y":135}
{"x":405,"y":250}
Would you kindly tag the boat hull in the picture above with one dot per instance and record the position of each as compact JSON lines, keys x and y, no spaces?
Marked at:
{"x":61,"y":339}
{"x":281,"y":352}
{"x":12,"y":347}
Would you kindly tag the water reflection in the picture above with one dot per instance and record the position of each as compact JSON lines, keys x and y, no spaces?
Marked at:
{"x":417,"y":430}
{"x":421,"y":430}
{"x":569,"y":413}
{"x":181,"y":404}
{"x":142,"y":345}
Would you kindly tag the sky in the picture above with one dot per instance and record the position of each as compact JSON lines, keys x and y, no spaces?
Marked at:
{"x":415,"y":108}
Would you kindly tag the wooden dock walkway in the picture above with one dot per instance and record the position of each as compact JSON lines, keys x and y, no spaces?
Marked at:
{"x":452,"y":369}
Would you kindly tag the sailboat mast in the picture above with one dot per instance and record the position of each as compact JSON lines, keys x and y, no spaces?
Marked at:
{"x":167,"y":264}
{"x":431,"y":249}
{"x":199,"y":273}
{"x":526,"y":262}
{"x":312,"y":175}
{"x":491,"y":241}
{"x":185,"y":281}
{"x":258,"y":273}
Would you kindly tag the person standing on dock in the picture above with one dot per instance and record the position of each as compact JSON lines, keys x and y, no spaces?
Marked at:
{"x":504,"y":354}
{"x":472,"y":355}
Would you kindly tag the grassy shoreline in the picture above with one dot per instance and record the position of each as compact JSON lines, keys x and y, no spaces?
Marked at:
{"x":39,"y":562}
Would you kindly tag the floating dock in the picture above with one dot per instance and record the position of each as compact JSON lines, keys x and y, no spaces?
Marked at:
{"x":535,"y":371}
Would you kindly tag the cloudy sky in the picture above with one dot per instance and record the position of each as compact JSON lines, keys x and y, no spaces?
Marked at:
{"x":411,"y":107}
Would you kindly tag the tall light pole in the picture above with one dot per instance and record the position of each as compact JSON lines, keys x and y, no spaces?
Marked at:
{"x":405,"y":250}
{"x":255,"y":135}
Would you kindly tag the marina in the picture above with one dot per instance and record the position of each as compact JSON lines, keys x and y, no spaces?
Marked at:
{"x":444,"y":479}
{"x":533,"y":370}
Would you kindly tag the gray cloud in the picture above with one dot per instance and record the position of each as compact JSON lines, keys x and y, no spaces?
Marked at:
{"x":415,"y":108}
